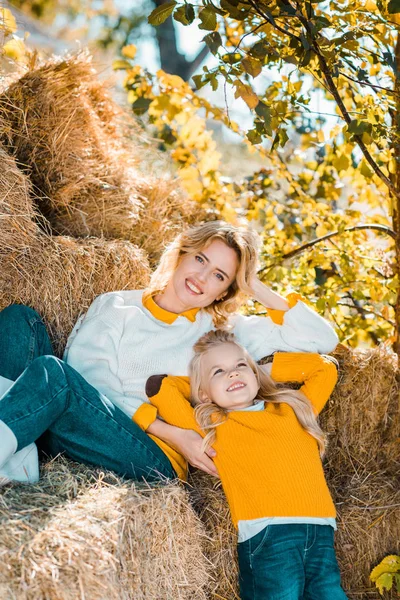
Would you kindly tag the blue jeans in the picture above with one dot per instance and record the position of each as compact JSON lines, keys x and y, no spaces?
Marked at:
{"x":51,"y":401}
{"x":290,"y":562}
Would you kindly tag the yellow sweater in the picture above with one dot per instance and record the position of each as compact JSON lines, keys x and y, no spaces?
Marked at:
{"x":268,"y":464}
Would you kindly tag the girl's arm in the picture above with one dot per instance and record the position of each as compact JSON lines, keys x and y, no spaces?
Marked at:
{"x":188,"y":443}
{"x":169,"y":397}
{"x":317,"y":373}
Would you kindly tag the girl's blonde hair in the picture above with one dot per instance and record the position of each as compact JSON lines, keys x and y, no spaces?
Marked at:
{"x":209,"y":415}
{"x":245,"y":243}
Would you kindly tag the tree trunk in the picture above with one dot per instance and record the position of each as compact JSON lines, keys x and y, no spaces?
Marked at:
{"x":172,"y":61}
{"x":396,"y":201}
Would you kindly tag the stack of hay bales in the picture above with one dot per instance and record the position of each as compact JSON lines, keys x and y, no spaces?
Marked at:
{"x":58,"y":275}
{"x":80,"y":215}
{"x":82,"y":534}
{"x":85,"y":160}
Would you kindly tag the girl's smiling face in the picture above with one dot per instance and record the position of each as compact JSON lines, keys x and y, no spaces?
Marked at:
{"x":200,"y":278}
{"x":227,"y":379}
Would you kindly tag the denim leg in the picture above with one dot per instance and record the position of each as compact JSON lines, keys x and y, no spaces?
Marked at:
{"x":50,"y":396}
{"x":23,"y":337}
{"x":271,"y":564}
{"x":322,"y":571}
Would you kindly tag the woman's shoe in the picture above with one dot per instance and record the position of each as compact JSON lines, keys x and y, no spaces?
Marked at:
{"x":5,"y":385}
{"x":23,"y":466}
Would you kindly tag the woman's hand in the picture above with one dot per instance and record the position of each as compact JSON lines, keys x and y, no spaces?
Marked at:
{"x":265,"y":296}
{"x":189,"y":444}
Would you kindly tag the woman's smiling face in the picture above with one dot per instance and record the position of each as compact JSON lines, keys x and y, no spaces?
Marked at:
{"x":202,"y":277}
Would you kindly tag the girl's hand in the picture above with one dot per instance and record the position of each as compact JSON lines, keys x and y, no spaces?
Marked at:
{"x":189,"y":443}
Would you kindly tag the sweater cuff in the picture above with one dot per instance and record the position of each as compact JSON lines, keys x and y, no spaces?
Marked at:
{"x":285,"y":366}
{"x":293,"y":298}
{"x":145,"y":415}
{"x":278,"y":315}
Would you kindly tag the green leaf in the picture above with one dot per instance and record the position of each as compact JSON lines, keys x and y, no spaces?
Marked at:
{"x":161,"y":13}
{"x":213,"y":41}
{"x":208,"y":19}
{"x":393,"y":7}
{"x":275,"y":142}
{"x":258,"y":50}
{"x":180,"y":15}
{"x":286,"y":8}
{"x":358,"y":127}
{"x":120,"y":64}
{"x":252,"y":66}
{"x":214,"y":81}
{"x":264,"y":112}
{"x":283,"y":137}
{"x":341,"y":162}
{"x":254,"y":137}
{"x":189,"y":12}
{"x":199,"y":81}
{"x":141,"y":106}
{"x":384,"y":582}
{"x":231,"y":58}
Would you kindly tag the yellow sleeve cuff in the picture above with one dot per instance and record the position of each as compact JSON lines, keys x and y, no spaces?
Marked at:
{"x":145,"y":415}
{"x":293,"y":298}
{"x":277,"y":315}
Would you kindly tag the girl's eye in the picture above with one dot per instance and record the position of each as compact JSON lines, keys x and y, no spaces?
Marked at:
{"x":199,"y":259}
{"x":217,"y":371}
{"x":242,"y":364}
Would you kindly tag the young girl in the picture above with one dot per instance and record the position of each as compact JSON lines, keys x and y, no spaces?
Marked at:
{"x":268,"y":447}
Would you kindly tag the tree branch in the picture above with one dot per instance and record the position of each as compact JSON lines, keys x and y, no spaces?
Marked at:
{"x":367,"y":83}
{"x":311,"y":243}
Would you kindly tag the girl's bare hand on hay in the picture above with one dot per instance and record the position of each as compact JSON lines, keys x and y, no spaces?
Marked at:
{"x":189,"y":443}
{"x":265,"y":296}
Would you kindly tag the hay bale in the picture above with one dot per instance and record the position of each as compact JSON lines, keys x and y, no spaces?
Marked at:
{"x":68,"y":144}
{"x":164,"y":213}
{"x":60,"y":277}
{"x":363,"y":463}
{"x":85,"y":159}
{"x":81,"y":534}
{"x":17,"y":227}
{"x":363,"y":472}
{"x":209,"y":502}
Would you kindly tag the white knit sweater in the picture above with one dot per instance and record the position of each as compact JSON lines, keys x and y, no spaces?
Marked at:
{"x":118,"y":344}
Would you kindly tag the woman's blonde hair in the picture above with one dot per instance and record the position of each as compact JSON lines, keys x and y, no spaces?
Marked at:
{"x":209,"y":415}
{"x":241,"y":239}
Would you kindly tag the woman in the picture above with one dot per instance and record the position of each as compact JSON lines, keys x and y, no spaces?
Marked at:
{"x":92,"y":405}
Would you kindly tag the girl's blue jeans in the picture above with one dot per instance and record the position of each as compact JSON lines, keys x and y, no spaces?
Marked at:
{"x":53,"y":403}
{"x":290,"y":562}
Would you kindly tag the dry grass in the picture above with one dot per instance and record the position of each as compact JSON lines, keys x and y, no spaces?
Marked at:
{"x":210,"y":504}
{"x":86,"y":535}
{"x":363,"y":463}
{"x":61,"y":276}
{"x":86,"y":160}
{"x":16,"y":211}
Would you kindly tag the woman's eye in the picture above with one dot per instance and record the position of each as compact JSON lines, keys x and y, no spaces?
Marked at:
{"x":219,"y":276}
{"x":199,"y":259}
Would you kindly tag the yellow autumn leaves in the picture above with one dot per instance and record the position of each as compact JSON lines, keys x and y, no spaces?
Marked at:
{"x":11,"y":45}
